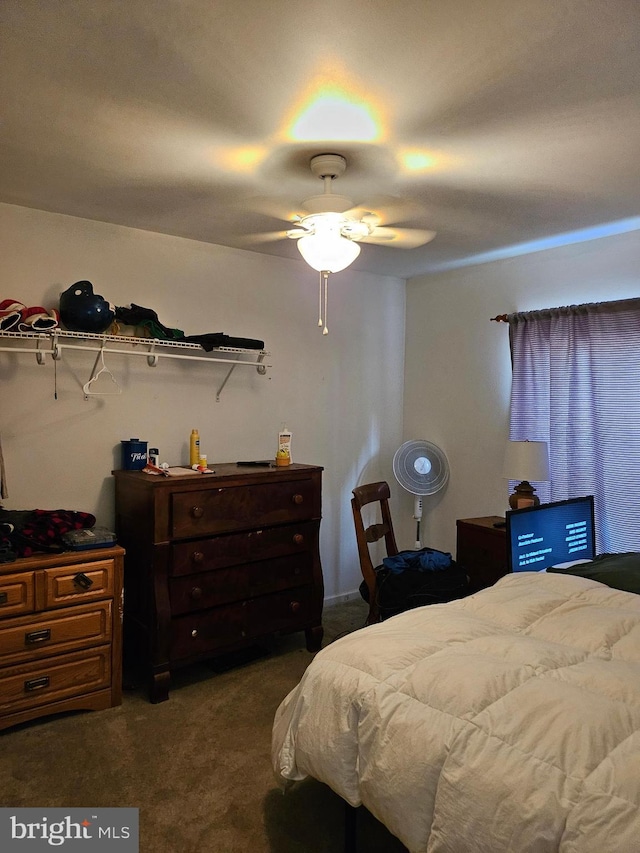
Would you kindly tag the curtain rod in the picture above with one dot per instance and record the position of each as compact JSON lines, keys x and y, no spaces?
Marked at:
{"x":586,"y":308}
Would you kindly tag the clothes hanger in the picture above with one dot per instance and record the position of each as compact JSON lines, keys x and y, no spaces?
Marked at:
{"x":88,"y":392}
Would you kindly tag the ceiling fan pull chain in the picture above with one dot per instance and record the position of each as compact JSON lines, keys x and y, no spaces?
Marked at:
{"x":320,"y":299}
{"x":325,"y":274}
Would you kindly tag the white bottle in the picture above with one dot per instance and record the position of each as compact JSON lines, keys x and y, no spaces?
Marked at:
{"x":283,"y":456}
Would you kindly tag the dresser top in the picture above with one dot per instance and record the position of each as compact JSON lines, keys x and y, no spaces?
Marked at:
{"x":46,"y":560}
{"x":220,"y":472}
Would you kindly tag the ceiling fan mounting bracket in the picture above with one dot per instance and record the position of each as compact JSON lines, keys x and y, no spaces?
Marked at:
{"x":328,"y":165}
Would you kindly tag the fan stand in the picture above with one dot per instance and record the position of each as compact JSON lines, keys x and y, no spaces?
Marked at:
{"x":417,"y":514}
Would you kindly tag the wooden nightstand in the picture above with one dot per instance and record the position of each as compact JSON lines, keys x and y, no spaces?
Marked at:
{"x":60,"y":634}
{"x":482,"y":550}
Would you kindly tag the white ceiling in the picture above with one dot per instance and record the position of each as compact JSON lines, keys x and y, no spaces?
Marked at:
{"x":186,"y":116}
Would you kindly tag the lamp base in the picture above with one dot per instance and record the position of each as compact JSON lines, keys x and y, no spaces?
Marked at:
{"x":523,"y":496}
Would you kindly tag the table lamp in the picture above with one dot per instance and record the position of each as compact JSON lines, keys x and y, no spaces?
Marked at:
{"x":525,"y":461}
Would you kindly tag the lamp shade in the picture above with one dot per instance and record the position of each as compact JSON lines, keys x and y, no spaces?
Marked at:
{"x":325,"y":249}
{"x":526,"y":460}
{"x":328,"y":254}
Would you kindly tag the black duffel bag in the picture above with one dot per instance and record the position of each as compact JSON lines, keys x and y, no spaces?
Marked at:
{"x":415,"y":579}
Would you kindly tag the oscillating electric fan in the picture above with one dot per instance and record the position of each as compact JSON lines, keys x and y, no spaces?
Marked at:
{"x":422,"y":469}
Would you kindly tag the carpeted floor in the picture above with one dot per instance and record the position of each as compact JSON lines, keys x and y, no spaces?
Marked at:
{"x":198,"y":766}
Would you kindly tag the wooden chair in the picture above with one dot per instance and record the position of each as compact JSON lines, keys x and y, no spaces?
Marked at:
{"x":362,"y":496}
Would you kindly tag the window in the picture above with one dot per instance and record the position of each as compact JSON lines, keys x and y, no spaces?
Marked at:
{"x":576,"y":385}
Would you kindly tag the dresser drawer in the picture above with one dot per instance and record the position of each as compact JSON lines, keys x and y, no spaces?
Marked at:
{"x":283,"y":611}
{"x":222,"y":510}
{"x":23,"y":638}
{"x":17,"y":594}
{"x":210,"y":589}
{"x":208,"y":630}
{"x":54,"y":679}
{"x":80,"y":582}
{"x":262,"y":544}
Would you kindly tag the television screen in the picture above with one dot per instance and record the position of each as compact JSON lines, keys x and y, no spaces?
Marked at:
{"x":549,"y":534}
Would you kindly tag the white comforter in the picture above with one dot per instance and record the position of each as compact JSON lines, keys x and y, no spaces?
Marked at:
{"x":506,"y":721}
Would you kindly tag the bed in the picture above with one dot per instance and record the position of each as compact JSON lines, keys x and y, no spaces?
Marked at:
{"x":505,"y":721}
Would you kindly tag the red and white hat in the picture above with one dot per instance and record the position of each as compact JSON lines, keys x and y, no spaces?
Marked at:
{"x":38,"y":319}
{"x":10,"y":314}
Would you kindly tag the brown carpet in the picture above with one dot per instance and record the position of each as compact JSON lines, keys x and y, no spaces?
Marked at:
{"x":198,"y":766}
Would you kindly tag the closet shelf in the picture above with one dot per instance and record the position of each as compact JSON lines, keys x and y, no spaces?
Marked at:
{"x":52,"y":343}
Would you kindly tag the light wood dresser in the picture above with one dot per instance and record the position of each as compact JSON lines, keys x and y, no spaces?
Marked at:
{"x":217,"y":561}
{"x":60,"y":633}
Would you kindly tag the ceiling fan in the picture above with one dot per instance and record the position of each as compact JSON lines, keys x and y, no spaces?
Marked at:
{"x":329,"y":228}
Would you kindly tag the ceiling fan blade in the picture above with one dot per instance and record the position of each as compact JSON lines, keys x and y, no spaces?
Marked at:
{"x":399,"y":238}
{"x":273,"y":207}
{"x":386,"y":209}
{"x":268,"y":236}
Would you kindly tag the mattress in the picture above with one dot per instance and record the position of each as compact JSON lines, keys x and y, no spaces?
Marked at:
{"x":505,"y":721}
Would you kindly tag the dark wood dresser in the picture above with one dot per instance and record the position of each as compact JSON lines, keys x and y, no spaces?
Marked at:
{"x":482,"y":550}
{"x":60,"y":634}
{"x":216,"y":561}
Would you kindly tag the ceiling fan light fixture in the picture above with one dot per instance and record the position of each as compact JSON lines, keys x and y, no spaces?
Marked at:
{"x":325,"y":249}
{"x":328,"y":254}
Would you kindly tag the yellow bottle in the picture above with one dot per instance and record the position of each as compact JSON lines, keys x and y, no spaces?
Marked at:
{"x":194,"y":447}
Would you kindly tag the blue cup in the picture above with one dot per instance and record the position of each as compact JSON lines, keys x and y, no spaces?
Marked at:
{"x":134,"y":454}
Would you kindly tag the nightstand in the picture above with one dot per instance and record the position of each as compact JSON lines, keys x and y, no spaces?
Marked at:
{"x":481,"y":550}
{"x":60,"y":634}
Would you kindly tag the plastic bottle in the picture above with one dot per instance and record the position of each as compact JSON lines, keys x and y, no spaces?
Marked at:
{"x":283,"y":456}
{"x":194,"y":447}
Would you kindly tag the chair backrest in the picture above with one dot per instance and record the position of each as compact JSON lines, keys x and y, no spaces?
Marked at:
{"x":365,"y":536}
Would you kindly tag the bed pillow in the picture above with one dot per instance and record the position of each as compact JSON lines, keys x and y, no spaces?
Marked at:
{"x":620,"y":571}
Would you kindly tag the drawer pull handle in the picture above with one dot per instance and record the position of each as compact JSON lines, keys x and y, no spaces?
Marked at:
{"x":298,"y":539}
{"x":196,"y":593}
{"x":82,"y":580}
{"x":194,"y":633}
{"x":4,"y":597}
{"x":36,"y":684}
{"x":197,"y":557}
{"x":197,"y":511}
{"x":37,"y":636}
{"x":298,"y":499}
{"x":294,"y":606}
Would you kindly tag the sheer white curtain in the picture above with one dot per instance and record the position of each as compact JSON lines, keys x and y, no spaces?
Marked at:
{"x":576,"y":385}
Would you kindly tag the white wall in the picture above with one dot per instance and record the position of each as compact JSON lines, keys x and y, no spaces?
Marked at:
{"x":341,"y":395}
{"x":458,"y":372}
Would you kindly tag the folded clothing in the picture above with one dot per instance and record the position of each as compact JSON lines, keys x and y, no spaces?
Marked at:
{"x":147,"y":318}
{"x":218,"y":339}
{"x":28,"y":531}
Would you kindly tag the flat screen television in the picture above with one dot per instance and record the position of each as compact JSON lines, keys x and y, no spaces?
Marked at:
{"x":549,"y":534}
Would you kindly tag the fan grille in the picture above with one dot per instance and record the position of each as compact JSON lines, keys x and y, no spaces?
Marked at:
{"x":421,"y":467}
